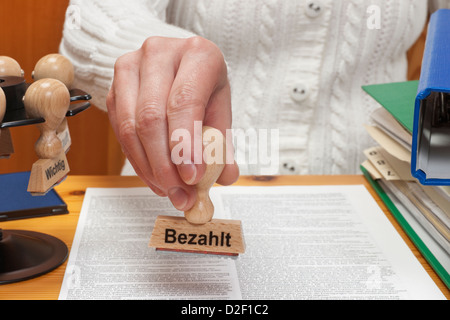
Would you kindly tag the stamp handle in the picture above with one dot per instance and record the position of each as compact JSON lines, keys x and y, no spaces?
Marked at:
{"x":214,"y":156}
{"x":2,"y":104}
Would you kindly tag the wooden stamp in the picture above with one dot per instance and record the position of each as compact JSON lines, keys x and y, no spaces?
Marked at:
{"x":56,"y":66}
{"x":8,"y":67}
{"x":221,"y":237}
{"x":6,"y":146}
{"x":5,"y":137}
{"x":197,"y":232}
{"x":49,"y":99}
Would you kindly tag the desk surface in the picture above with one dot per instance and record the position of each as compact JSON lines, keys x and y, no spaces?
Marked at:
{"x":73,"y":189}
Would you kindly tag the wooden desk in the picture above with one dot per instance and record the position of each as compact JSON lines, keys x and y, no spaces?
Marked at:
{"x":72,"y":191}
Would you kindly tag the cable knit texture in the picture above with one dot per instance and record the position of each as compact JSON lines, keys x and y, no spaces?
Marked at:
{"x":341,"y":117}
{"x":294,"y":66}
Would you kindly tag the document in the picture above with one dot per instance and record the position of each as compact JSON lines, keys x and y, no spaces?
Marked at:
{"x":322,"y":242}
{"x":110,"y":257}
{"x":302,"y":242}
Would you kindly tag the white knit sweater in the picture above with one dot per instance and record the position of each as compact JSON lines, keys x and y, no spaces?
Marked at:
{"x":294,"y":66}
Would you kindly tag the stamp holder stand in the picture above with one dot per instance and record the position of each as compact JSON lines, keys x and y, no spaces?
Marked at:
{"x":28,"y":254}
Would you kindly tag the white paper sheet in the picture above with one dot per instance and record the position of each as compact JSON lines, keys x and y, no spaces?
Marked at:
{"x":327,"y":242}
{"x":110,"y":257}
{"x":321,"y":243}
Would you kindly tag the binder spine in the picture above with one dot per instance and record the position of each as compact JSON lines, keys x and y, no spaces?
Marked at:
{"x":431,"y":115}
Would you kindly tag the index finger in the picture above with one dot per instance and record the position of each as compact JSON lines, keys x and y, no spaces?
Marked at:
{"x":200,"y":76}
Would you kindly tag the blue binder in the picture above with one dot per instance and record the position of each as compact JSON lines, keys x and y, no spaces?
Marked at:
{"x":430,"y":156}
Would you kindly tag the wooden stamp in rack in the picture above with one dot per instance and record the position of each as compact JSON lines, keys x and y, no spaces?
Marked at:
{"x":56,"y":66}
{"x":8,"y":67}
{"x":49,"y":99}
{"x":2,"y":112}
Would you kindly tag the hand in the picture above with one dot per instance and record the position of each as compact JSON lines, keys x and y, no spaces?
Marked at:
{"x":169,"y":84}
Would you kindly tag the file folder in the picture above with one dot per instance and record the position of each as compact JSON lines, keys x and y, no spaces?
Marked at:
{"x":432,"y":253}
{"x":430,"y":158}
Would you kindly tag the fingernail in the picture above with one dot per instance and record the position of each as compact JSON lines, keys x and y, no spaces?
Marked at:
{"x":178,"y":197}
{"x":188,"y":173}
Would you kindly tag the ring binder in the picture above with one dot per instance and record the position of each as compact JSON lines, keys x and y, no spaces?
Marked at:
{"x":430,"y":157}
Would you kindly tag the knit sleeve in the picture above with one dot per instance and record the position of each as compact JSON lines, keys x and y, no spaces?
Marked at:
{"x":439,"y":4}
{"x":97,"y":32}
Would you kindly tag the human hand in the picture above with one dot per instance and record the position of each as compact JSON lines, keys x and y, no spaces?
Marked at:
{"x":169,"y":84}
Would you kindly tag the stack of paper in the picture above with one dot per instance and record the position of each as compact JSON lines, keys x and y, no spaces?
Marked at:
{"x":423,"y":211}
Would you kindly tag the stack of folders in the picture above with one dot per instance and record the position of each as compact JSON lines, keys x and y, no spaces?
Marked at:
{"x":422,"y":211}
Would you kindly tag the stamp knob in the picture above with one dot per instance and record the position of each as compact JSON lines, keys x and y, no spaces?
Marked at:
{"x":54,"y":66}
{"x":10,"y":67}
